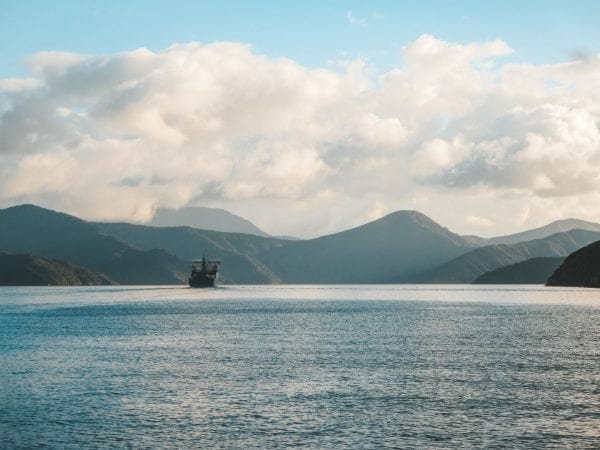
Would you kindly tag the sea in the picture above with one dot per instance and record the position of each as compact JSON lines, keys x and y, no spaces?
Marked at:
{"x":400,"y":366}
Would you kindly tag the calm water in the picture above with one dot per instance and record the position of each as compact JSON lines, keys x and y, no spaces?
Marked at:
{"x":317,"y":367}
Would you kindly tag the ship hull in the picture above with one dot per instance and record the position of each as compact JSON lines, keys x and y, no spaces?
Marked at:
{"x":202,"y":281}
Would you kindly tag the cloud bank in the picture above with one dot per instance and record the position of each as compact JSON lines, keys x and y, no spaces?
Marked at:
{"x":479,"y":145}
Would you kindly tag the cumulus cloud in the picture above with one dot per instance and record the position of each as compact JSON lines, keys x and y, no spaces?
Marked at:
{"x":305,"y":151}
{"x":12,"y":85}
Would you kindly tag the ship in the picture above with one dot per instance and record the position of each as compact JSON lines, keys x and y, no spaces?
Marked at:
{"x":205,"y":273}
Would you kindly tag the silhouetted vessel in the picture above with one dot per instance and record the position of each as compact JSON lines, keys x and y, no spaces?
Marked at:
{"x":205,"y":273}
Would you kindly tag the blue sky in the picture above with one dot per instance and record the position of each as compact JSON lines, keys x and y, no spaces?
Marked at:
{"x":313,"y":33}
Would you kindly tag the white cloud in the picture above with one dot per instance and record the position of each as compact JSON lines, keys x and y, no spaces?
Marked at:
{"x":54,"y":64}
{"x":354,"y":20}
{"x":451,"y":131}
{"x":12,"y":85}
{"x":480,"y":222}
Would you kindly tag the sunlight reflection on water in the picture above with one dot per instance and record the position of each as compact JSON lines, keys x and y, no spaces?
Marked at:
{"x":311,"y":366}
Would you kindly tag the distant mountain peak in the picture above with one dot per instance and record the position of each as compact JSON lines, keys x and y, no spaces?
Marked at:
{"x":25,"y":206}
{"x":406,"y":215}
{"x":205,"y":218}
{"x":570,"y":222}
{"x":31,"y":208}
{"x":40,"y":218}
{"x":404,"y":224}
{"x":558,"y":226}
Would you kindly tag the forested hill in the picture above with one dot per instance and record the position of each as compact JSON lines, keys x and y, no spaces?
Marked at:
{"x":581,"y":268}
{"x":398,"y":245}
{"x":23,"y":269}
{"x":402,"y":247}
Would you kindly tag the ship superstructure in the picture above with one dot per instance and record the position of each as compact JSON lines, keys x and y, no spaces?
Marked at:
{"x":205,"y":273}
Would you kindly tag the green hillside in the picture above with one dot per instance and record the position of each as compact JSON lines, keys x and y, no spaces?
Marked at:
{"x":393,"y":248}
{"x":530,"y":271}
{"x":34,"y":230}
{"x":29,"y":270}
{"x":400,"y":244}
{"x":468,"y":267}
{"x":402,"y":247}
{"x":581,"y":268}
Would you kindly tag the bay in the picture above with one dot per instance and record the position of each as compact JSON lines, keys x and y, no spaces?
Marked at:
{"x":304,"y":366}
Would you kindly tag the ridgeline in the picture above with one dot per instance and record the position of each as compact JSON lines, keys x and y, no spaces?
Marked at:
{"x":402,"y":247}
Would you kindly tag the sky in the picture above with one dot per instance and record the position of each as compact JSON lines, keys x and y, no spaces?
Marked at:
{"x":304,"y":117}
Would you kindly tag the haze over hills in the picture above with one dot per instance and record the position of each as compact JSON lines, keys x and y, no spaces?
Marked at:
{"x":23,"y":269}
{"x":206,"y":219}
{"x":399,"y":245}
{"x":530,"y":271}
{"x":581,"y":268}
{"x":468,"y":267}
{"x":557,"y":226}
{"x":237,"y":250}
{"x":402,"y":243}
{"x":402,"y":247}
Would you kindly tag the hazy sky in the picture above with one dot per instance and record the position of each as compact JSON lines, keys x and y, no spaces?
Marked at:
{"x":304,"y":117}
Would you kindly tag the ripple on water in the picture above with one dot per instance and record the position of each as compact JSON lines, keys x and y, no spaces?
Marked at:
{"x":307,"y":366}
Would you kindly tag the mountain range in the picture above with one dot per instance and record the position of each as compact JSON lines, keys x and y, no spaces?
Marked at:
{"x":396,"y":247}
{"x":557,"y":226}
{"x":468,"y":267}
{"x":402,"y":247}
{"x":401,"y":244}
{"x":217,"y":219}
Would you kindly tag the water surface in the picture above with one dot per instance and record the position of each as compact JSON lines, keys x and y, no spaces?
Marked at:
{"x":307,"y":366}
